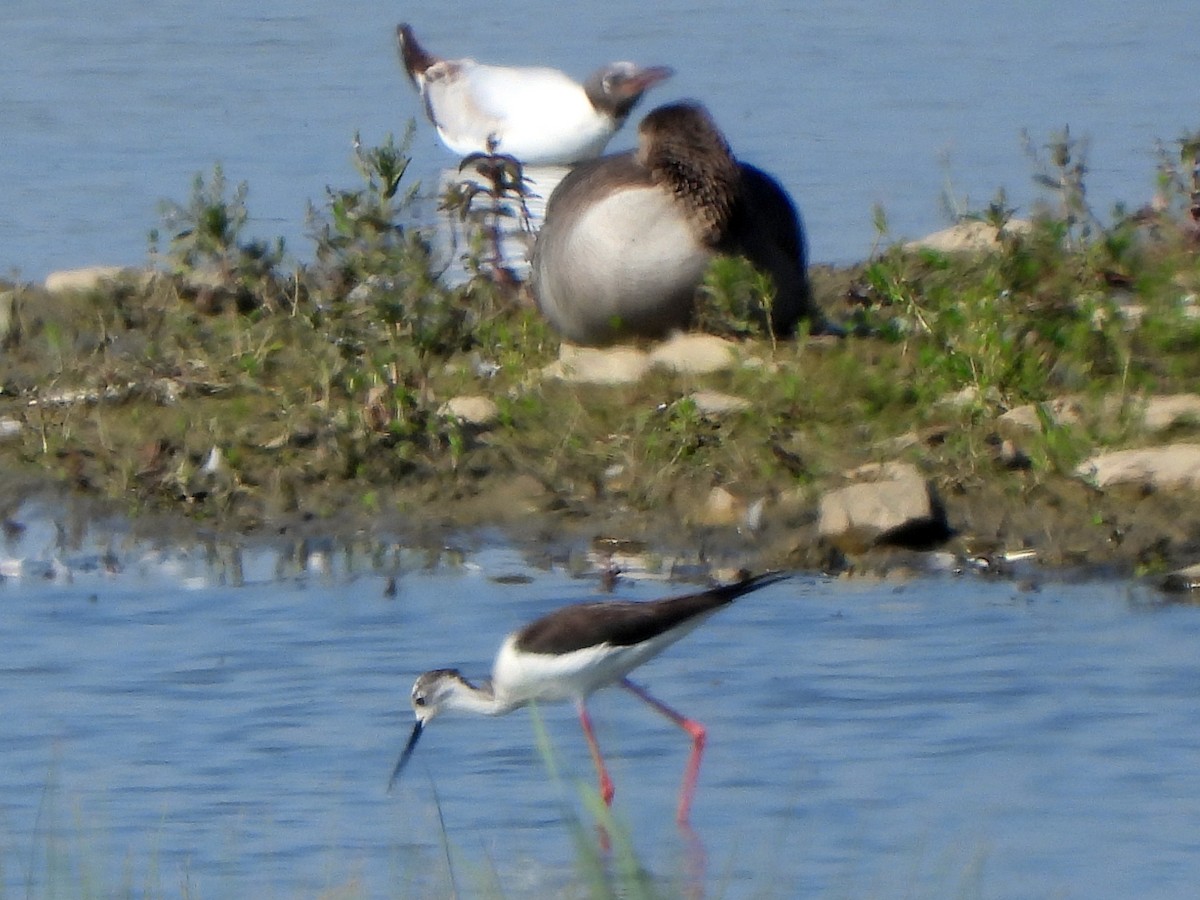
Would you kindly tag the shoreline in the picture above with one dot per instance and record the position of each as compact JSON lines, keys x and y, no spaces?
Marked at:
{"x":1002,"y":515}
{"x":1000,"y":396}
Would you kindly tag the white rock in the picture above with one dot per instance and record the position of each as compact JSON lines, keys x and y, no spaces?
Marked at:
{"x":1156,"y":413}
{"x":968,"y":237}
{"x":595,"y":365}
{"x":863,"y":514}
{"x":685,"y":354}
{"x":695,"y":354}
{"x":471,"y":409}
{"x":1163,"y":412}
{"x":962,"y":398}
{"x":1059,"y":411}
{"x":1172,"y":466}
{"x":714,"y":403}
{"x":90,"y":278}
{"x":722,"y":508}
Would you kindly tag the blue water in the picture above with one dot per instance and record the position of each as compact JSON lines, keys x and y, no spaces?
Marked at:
{"x":106,"y":112}
{"x":219,"y":723}
{"x":216,"y":721}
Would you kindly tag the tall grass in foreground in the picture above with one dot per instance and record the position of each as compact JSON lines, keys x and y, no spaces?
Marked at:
{"x":60,"y":859}
{"x":604,"y":874}
{"x":53,"y":860}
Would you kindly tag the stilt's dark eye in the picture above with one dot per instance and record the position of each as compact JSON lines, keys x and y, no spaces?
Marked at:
{"x":419,"y":699}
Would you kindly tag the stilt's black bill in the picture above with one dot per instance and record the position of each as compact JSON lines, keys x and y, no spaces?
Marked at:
{"x":406,"y":753}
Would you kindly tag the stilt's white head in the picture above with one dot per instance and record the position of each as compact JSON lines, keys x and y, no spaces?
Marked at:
{"x":429,"y":694}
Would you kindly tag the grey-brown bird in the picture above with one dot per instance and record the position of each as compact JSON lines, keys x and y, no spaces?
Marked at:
{"x":628,"y":237}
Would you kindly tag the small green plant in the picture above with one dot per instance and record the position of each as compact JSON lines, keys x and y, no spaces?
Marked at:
{"x":1061,"y":167}
{"x":206,"y":240}
{"x":360,"y":234}
{"x":382,"y":306}
{"x":1174,"y":213}
{"x":1060,"y":448}
{"x":608,"y":864}
{"x":891,"y":307}
{"x":735,"y":299}
{"x":879,"y":223}
{"x":998,"y":213}
{"x":670,"y":438}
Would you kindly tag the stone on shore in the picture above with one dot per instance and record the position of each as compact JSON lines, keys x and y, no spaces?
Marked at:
{"x":474,"y":410}
{"x":890,"y":504}
{"x":1161,"y":413}
{"x":715,"y":403}
{"x":1150,"y":468}
{"x":969,"y":237}
{"x":695,"y":354}
{"x":1156,"y":414}
{"x":1183,"y":581}
{"x":591,"y":365}
{"x":722,"y":508}
{"x":1059,"y":411}
{"x":690,"y":354}
{"x":91,"y":278}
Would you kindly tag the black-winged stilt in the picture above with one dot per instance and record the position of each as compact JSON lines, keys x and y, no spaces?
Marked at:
{"x":573,"y":652}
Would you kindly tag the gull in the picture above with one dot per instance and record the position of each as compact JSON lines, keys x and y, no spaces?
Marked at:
{"x":538,"y":115}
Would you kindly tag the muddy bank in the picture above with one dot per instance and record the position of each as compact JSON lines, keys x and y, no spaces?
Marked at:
{"x":592,"y":475}
{"x":999,"y":526}
{"x":368,"y":398}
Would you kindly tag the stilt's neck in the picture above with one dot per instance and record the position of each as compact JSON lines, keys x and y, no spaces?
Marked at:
{"x":479,"y":699}
{"x":441,"y":690}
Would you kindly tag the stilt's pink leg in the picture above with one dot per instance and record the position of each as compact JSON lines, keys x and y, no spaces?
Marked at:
{"x":699,"y":735}
{"x":606,"y":785}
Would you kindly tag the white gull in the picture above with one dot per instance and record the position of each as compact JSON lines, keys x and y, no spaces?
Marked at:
{"x":539,"y":115}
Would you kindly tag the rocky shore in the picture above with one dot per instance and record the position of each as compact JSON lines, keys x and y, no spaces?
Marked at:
{"x":827,"y":453}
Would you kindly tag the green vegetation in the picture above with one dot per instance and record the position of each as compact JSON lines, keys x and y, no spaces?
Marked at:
{"x":243,"y":389}
{"x":735,"y":299}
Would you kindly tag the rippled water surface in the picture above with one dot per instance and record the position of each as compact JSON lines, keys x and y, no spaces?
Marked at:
{"x":105,"y":112}
{"x":222,"y":723}
{"x":216,"y":722}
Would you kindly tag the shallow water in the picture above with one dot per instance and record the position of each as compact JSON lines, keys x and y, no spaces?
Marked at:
{"x":105,"y":114}
{"x":223,"y":722}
